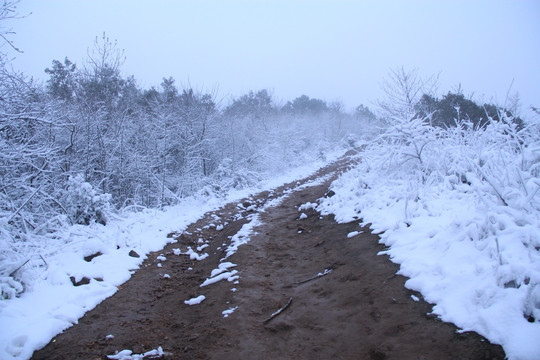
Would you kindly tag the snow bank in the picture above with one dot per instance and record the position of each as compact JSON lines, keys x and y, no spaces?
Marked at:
{"x":462,"y":218}
{"x":52,"y":303}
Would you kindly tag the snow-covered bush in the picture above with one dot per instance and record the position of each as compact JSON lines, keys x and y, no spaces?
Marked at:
{"x":20,"y":264}
{"x":84,"y":203}
{"x":9,"y":287}
{"x":228,"y":176}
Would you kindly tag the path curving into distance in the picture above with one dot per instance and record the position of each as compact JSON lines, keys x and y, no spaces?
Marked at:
{"x":268,"y":278}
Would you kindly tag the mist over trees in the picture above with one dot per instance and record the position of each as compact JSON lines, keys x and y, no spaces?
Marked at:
{"x":90,"y":140}
{"x":92,"y":132}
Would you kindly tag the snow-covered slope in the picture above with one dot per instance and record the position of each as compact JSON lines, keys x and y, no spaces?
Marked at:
{"x":51,"y":303}
{"x":462,"y":218}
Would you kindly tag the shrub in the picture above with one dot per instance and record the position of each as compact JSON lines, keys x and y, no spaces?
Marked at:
{"x":84,"y":204}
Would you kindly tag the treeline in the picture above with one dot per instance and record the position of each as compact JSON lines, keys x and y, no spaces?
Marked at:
{"x":89,"y":132}
{"x":90,"y":139}
{"x":454,"y":108}
{"x":411,"y":97}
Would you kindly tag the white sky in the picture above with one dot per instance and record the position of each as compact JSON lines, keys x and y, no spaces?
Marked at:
{"x":333,"y":50}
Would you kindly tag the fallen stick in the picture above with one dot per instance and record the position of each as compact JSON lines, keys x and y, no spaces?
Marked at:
{"x":326,"y":272}
{"x":278,"y":312}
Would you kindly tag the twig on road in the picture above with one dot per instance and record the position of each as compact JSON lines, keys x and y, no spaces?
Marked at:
{"x":278,"y":312}
{"x":324,"y":273}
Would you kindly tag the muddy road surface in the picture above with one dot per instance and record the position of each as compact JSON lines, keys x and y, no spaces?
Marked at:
{"x":278,"y":283}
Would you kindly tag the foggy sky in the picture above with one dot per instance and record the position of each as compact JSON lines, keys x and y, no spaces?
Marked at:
{"x":333,"y":50}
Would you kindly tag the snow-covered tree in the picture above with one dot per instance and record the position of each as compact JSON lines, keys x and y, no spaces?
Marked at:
{"x":403,"y":89}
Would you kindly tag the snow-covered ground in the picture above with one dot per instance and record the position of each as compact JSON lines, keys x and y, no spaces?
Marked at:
{"x":462,"y":218}
{"x":50,"y":302}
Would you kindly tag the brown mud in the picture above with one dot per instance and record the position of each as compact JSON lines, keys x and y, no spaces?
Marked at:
{"x":359,"y":308}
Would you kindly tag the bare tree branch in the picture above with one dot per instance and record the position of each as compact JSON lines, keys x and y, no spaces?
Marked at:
{"x":8,"y":12}
{"x":403,"y":89}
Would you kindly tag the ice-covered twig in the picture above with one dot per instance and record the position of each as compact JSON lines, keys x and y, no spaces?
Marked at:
{"x":278,"y":311}
{"x":24,"y":204}
{"x":490,"y":182}
{"x":46,"y":265}
{"x":18,"y":267}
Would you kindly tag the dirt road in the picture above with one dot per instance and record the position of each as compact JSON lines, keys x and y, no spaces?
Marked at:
{"x":347,"y":302}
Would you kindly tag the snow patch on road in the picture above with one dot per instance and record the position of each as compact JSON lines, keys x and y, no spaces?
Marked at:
{"x":307,"y":206}
{"x":229,"y":275}
{"x":196,"y":300}
{"x":222,"y":268}
{"x":191,"y":253}
{"x":129,"y":355}
{"x":243,"y":235}
{"x":353,"y":234}
{"x":229,"y":311}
